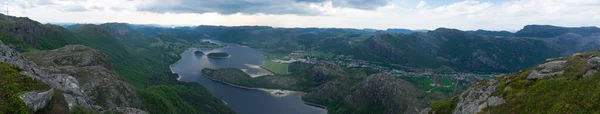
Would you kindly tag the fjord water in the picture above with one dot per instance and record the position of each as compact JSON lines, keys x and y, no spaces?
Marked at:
{"x":242,"y":101}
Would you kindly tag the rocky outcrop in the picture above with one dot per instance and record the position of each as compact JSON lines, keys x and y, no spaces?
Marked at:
{"x":78,"y":84}
{"x":70,"y":55}
{"x":63,"y":82}
{"x":37,"y":100}
{"x":547,"y":70}
{"x":594,"y":64}
{"x":101,"y":86}
{"x":475,"y":99}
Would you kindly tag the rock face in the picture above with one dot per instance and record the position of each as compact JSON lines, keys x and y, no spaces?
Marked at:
{"x":37,"y":100}
{"x":80,"y":82}
{"x":547,"y":70}
{"x":476,"y":98}
{"x":594,"y":64}
{"x":67,"y":84}
{"x":101,"y":86}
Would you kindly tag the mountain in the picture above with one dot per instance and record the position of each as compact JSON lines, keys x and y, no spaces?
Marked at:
{"x":398,"y":31}
{"x":24,"y":34}
{"x":133,"y":62}
{"x":492,"y":33}
{"x":558,"y":85}
{"x":548,"y":31}
{"x":79,"y":79}
{"x":123,"y":67}
{"x":463,"y":51}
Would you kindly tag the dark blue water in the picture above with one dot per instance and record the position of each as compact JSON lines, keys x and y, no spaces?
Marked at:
{"x":242,"y":101}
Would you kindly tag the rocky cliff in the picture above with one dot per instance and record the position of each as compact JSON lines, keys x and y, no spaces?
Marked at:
{"x":79,"y":80}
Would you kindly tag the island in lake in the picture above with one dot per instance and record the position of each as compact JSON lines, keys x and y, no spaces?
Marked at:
{"x":198,"y":53}
{"x":219,"y":55}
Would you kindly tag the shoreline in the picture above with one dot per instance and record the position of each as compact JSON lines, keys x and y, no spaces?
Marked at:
{"x":262,"y":72}
{"x":252,"y":88}
{"x":263,"y":89}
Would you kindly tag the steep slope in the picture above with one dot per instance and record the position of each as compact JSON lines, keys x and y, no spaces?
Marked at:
{"x":145,"y":65}
{"x":92,"y":71}
{"x":24,"y":34}
{"x":73,"y":92}
{"x":559,"y":85}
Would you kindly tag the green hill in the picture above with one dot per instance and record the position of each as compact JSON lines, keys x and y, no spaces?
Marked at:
{"x":559,"y":85}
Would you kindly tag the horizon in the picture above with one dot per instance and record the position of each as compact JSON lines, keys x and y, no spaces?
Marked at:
{"x":176,"y":26}
{"x":495,"y":15}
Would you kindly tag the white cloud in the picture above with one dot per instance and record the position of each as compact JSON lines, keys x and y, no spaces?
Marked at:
{"x":469,"y":14}
{"x":421,"y":4}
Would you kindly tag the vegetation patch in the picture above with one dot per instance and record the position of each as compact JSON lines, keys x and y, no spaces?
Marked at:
{"x":13,"y":84}
{"x":566,"y":93}
{"x":218,"y":55}
{"x":444,"y":107}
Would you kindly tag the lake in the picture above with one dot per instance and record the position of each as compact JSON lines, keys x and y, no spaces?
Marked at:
{"x":242,"y":101}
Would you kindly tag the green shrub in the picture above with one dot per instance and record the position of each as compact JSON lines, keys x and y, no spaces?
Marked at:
{"x":13,"y":84}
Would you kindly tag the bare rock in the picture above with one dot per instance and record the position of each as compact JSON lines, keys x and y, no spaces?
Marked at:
{"x":590,"y":73}
{"x":547,"y":70}
{"x":80,"y":73}
{"x":37,"y":100}
{"x":594,"y":62}
{"x":476,"y":99}
{"x":126,"y":110}
{"x":90,"y":69}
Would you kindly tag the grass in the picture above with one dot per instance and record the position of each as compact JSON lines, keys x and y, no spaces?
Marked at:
{"x":444,"y":107}
{"x":274,"y":67}
{"x":566,"y":93}
{"x":13,"y":84}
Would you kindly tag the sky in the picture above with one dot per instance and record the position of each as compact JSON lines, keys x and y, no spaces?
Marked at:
{"x":376,"y":14}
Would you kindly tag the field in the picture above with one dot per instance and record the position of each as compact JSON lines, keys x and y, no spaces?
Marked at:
{"x":276,"y":68}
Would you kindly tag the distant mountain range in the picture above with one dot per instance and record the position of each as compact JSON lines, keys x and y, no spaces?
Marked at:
{"x":141,"y":55}
{"x":466,"y":51}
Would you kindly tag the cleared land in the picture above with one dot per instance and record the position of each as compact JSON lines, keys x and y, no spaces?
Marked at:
{"x":276,"y":68}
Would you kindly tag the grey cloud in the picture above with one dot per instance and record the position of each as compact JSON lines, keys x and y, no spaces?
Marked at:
{"x":74,"y":8}
{"x":298,"y":7}
{"x":357,"y":4}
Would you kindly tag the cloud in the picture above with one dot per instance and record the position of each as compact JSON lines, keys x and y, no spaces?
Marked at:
{"x":74,"y":8}
{"x":466,"y":15}
{"x":421,"y":4}
{"x":356,"y":4}
{"x":299,"y":7}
